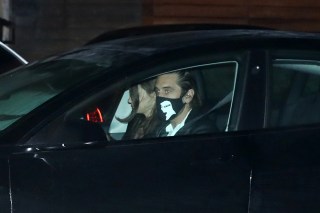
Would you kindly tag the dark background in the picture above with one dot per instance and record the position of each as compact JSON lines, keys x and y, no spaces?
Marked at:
{"x":47,"y":27}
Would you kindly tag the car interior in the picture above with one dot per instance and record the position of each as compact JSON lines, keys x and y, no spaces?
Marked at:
{"x":296,"y":89}
{"x":216,"y":97}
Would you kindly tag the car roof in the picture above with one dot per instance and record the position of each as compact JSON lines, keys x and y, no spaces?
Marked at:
{"x":162,"y":39}
{"x":222,"y":30}
{"x":166,"y":28}
{"x":142,"y":42}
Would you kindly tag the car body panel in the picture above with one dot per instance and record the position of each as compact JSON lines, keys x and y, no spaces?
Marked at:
{"x":285,"y":170}
{"x":166,"y":176}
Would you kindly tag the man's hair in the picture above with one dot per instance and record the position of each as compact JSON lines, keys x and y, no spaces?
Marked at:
{"x":186,"y":81}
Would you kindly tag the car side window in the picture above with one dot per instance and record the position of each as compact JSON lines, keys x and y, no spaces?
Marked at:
{"x":105,"y":114}
{"x":295,"y":92}
{"x":214,"y":83}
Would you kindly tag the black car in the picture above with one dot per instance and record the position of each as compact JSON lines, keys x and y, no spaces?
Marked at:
{"x":9,"y":58}
{"x":62,"y":146}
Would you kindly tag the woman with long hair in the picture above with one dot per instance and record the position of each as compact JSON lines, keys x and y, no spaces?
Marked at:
{"x":142,"y":120}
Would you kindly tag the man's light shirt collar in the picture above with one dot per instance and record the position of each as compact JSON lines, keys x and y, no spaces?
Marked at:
{"x":172,"y":131}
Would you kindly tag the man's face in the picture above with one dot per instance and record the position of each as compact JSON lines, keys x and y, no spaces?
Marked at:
{"x":167,"y":87}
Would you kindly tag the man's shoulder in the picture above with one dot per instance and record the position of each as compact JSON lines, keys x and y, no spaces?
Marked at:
{"x":197,"y":123}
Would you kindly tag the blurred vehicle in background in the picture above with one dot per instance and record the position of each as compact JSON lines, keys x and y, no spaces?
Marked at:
{"x":9,"y":59}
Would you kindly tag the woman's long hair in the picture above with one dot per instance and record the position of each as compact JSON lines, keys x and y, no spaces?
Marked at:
{"x":138,"y":124}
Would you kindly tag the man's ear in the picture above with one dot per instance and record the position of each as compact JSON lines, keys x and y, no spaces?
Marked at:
{"x":188,"y":96}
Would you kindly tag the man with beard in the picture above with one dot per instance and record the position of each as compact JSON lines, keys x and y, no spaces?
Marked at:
{"x":178,"y":104}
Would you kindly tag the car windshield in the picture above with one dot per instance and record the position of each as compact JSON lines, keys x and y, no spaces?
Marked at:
{"x":24,"y":89}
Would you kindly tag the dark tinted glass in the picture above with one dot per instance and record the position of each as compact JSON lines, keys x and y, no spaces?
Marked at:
{"x":295,"y":94}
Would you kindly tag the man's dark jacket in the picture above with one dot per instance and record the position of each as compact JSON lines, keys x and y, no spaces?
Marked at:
{"x":196,"y":123}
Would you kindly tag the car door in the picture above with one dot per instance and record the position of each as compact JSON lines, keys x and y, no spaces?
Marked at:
{"x":286,"y":164}
{"x":5,"y":195}
{"x":55,"y":171}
